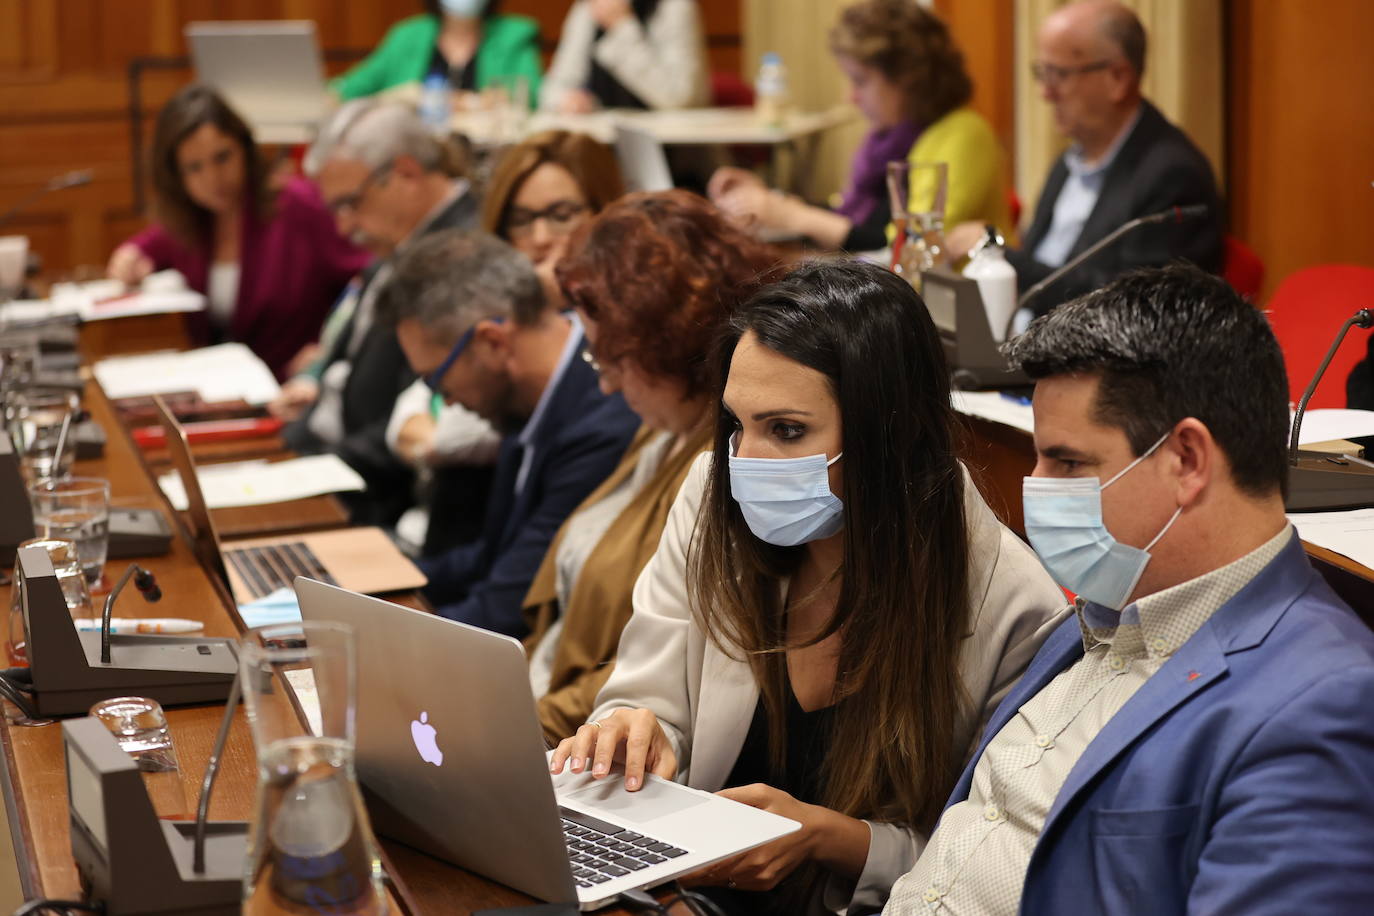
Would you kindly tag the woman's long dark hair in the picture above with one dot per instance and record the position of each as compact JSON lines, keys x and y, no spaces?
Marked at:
{"x":184,"y":114}
{"x":904,"y":604}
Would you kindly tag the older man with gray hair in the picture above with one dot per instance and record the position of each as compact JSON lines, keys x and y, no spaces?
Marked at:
{"x":1125,"y":161}
{"x":388,"y":181}
{"x":471,"y":317}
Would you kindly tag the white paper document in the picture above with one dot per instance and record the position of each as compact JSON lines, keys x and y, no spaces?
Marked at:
{"x":1350,"y":533}
{"x":1329,"y":423}
{"x":161,"y":293}
{"x":227,"y":372}
{"x":255,"y":483}
{"x":996,"y":406}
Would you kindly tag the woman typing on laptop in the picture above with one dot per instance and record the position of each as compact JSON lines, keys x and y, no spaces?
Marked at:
{"x":832,"y":611}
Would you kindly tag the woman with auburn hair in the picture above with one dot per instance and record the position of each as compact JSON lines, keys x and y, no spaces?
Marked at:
{"x":907,"y":78}
{"x":540,"y":191}
{"x":270,"y":262}
{"x":832,"y":611}
{"x":654,"y":277}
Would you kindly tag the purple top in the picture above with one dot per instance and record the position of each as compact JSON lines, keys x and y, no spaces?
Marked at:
{"x":291,"y":270}
{"x":868,"y":174}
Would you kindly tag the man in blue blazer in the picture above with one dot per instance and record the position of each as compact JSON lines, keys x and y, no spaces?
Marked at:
{"x":1199,"y":738}
{"x":471,"y":318}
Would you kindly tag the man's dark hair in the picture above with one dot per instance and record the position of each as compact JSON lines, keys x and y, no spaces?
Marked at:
{"x":452,"y":279}
{"x":1170,"y":343}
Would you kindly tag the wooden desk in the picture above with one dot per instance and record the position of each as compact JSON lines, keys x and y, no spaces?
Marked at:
{"x":999,"y":456}
{"x":33,"y":777}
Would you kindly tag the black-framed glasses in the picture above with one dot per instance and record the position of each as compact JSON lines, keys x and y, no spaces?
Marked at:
{"x":1053,"y":75}
{"x":561,"y":217}
{"x":350,"y":202}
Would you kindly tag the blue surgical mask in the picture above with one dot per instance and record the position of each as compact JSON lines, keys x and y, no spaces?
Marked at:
{"x":464,"y":9}
{"x":786,"y":501}
{"x":1064,"y":525}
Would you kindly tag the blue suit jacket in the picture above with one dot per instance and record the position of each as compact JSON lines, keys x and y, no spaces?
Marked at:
{"x":1238,"y":779}
{"x":579,"y":442}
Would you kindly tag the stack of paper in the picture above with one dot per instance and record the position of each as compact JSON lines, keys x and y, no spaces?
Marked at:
{"x":1330,"y":423}
{"x":1350,"y":534}
{"x":160,"y":293}
{"x":228,"y":372}
{"x":996,"y":406}
{"x":255,"y":483}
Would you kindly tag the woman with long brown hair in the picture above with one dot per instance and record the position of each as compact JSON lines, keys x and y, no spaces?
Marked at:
{"x":833,"y":610}
{"x":270,"y":261}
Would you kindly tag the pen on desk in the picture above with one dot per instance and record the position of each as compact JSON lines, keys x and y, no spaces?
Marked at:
{"x":1016,"y":398}
{"x":125,"y":625}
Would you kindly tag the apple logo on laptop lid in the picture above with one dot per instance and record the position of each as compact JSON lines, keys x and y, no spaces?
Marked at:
{"x":423,"y":734}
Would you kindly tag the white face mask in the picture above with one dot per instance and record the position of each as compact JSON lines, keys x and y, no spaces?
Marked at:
{"x":786,"y":501}
{"x":1064,"y":525}
{"x":463,"y":9}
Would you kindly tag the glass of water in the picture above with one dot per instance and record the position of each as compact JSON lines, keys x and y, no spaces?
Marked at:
{"x":140,"y":727}
{"x":35,"y":417}
{"x":311,"y":847}
{"x":78,"y":509}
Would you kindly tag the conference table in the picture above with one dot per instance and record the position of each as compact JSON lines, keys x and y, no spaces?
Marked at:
{"x":33,"y":777}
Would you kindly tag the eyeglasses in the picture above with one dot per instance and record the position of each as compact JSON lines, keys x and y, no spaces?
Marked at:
{"x":1051,"y":75}
{"x":561,"y":218}
{"x":435,"y":378}
{"x":349,"y":202}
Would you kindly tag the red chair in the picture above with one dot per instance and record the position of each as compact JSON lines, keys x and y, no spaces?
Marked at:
{"x":729,"y":90}
{"x":1242,"y":268}
{"x":1306,"y":311}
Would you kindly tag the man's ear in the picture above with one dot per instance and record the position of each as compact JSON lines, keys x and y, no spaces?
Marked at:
{"x":1123,"y":77}
{"x":1196,"y":459}
{"x":408,"y":167}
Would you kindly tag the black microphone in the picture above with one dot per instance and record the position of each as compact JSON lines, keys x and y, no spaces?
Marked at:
{"x":73,"y":179}
{"x":1364,"y":318}
{"x":1175,"y":214}
{"x":147,"y":586}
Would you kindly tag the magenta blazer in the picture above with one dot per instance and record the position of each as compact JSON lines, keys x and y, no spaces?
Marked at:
{"x":291,"y":270}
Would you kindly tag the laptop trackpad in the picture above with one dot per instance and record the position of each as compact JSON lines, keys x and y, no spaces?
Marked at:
{"x":656,"y":800}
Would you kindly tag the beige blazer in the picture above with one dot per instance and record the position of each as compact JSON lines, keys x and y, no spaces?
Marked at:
{"x":705,"y":700}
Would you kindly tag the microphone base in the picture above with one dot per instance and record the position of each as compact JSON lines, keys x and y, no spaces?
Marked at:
{"x":1320,"y":482}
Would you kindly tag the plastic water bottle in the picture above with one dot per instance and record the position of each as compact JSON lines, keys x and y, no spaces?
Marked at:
{"x":996,"y":285}
{"x":434,"y":104}
{"x":770,"y":90}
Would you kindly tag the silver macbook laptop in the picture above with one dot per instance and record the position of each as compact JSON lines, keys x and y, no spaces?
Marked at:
{"x":271,"y":73}
{"x":452,"y":757}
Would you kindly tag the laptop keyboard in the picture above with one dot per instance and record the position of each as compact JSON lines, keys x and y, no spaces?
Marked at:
{"x":272,"y":566}
{"x":600,"y":850}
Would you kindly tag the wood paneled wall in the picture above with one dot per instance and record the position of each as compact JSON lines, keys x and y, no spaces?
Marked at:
{"x":1300,"y":153}
{"x":64,"y":99}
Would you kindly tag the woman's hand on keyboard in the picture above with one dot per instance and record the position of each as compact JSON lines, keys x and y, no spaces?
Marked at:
{"x":632,"y":736}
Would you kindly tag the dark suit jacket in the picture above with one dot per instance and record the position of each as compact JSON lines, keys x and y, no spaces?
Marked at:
{"x":1156,"y":168}
{"x":580,"y":439}
{"x":378,"y":375}
{"x":1238,"y":779}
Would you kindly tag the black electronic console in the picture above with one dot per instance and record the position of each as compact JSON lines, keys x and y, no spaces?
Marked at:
{"x":138,"y":533}
{"x":70,"y":670}
{"x":972,"y":351}
{"x":131,"y":862}
{"x":1317,"y":480}
{"x":16,"y":518}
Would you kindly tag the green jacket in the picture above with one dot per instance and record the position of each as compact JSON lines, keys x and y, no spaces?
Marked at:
{"x":510,"y":48}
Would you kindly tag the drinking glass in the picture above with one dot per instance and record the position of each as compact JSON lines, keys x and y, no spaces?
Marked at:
{"x":311,"y":848}
{"x":35,"y":417}
{"x":78,"y":509}
{"x":140,"y":728}
{"x":67,"y":565}
{"x":917,"y":192}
